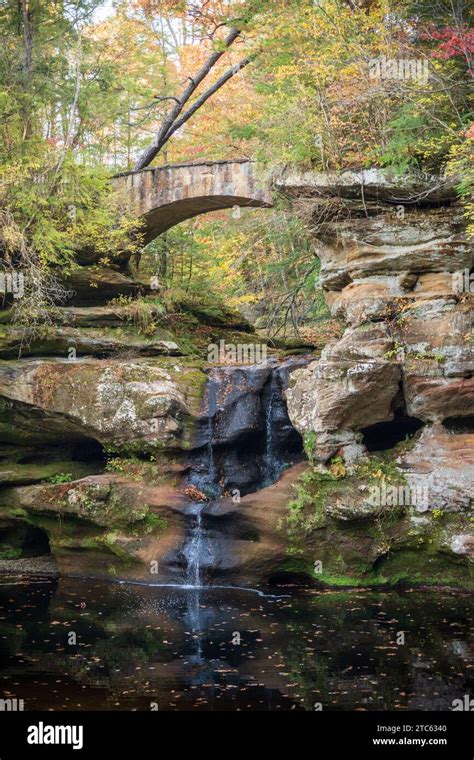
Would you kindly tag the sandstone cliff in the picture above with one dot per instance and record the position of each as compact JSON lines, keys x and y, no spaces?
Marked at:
{"x":396,"y":269}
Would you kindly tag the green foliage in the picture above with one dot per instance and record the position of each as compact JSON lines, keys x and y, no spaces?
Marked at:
{"x":262,"y":262}
{"x":9,"y":552}
{"x":322,"y":106}
{"x":309,"y":442}
{"x":380,"y":467}
{"x":306,"y":510}
{"x":61,"y":477}
{"x":461,"y":164}
{"x":55,"y":203}
{"x":402,"y":152}
{"x":154,"y":523}
{"x":145,"y":314}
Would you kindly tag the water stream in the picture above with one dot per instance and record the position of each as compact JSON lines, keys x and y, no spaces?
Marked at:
{"x":246,"y":438}
{"x":272,"y":466}
{"x":194,"y":549}
{"x":211,"y":413}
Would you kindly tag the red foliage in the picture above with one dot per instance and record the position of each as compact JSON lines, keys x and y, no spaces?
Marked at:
{"x":452,"y":41}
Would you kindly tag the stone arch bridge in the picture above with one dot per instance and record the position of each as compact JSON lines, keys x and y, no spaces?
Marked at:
{"x":167,"y":195}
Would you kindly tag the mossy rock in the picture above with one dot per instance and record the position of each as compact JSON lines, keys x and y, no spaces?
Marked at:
{"x":336,"y":538}
{"x":26,"y":474}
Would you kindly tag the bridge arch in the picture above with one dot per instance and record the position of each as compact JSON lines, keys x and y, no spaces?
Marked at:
{"x":167,"y":195}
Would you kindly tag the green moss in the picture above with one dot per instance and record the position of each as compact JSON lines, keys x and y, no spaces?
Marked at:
{"x":132,"y":467}
{"x":60,"y":477}
{"x":328,"y":579}
{"x":153,"y":523}
{"x":412,"y":566}
{"x":333,"y":527}
{"x":12,"y":473}
{"x":9,"y":552}
{"x":381,"y":467}
{"x":403,"y":568}
{"x":110,"y":541}
{"x":306,"y":510}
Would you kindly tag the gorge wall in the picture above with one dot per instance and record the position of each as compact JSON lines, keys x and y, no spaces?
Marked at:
{"x":396,"y":268}
{"x":112,"y":455}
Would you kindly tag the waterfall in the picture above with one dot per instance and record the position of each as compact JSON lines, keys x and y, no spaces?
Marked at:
{"x":269,"y":460}
{"x":243,"y":441}
{"x":193,"y":617}
{"x":198,"y":550}
{"x":194,"y":548}
{"x":211,"y":411}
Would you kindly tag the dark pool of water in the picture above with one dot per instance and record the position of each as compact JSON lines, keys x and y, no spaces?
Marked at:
{"x":140,"y":647}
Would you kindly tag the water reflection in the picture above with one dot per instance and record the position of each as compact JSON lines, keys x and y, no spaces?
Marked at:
{"x":225,"y":649}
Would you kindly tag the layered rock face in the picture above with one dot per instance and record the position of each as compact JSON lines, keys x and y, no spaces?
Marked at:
{"x":108,"y":459}
{"x":398,"y":285}
{"x":102,"y":416}
{"x":398,"y":275}
{"x":131,"y":455}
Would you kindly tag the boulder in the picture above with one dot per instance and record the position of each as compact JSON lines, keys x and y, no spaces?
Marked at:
{"x":103,"y":342}
{"x":142,"y":405}
{"x":107,"y":524}
{"x":97,"y":285}
{"x":338,"y":398}
{"x":444,"y":462}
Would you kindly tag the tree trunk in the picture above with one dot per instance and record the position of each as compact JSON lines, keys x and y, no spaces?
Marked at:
{"x":147,"y":157}
{"x":27,"y":63}
{"x":205,"y":96}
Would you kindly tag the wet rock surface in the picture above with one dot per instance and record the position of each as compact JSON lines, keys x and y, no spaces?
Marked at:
{"x":246,"y":437}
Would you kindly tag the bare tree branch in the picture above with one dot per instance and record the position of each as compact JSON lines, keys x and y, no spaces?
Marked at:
{"x":205,"y":96}
{"x":168,"y":122}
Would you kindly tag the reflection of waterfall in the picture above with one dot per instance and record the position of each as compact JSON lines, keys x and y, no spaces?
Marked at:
{"x":194,"y":620}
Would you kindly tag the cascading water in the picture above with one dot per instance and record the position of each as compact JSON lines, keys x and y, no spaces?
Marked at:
{"x":244,"y":441}
{"x":194,"y":548}
{"x":271,"y":464}
{"x":194,"y":618}
{"x":211,"y":411}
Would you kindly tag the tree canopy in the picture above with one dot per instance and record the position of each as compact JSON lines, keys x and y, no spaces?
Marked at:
{"x":90,"y":88}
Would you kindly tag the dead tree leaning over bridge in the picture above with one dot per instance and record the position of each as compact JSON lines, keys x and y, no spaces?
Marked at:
{"x":171,"y":122}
